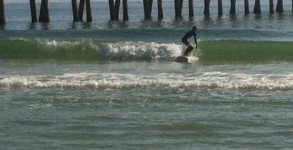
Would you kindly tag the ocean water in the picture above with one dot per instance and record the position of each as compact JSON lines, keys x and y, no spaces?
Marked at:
{"x":115,"y":85}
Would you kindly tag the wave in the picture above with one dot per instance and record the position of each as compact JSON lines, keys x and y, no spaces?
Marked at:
{"x":218,"y":51}
{"x":208,"y":80}
{"x":87,"y":50}
{"x":227,"y":51}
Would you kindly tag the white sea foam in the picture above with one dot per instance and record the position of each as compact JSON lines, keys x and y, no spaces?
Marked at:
{"x":149,"y":50}
{"x":208,"y":80}
{"x":117,"y":50}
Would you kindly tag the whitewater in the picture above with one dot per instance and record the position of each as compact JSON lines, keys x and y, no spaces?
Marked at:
{"x":208,"y":80}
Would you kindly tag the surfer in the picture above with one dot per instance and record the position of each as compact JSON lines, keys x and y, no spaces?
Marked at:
{"x":185,"y":40}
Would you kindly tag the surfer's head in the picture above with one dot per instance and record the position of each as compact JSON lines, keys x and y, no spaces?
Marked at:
{"x":194,"y":28}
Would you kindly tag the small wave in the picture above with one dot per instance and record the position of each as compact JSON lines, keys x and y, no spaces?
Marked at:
{"x":219,"y":51}
{"x":141,"y":50}
{"x":208,"y":80}
{"x":226,"y":51}
{"x":87,"y":50}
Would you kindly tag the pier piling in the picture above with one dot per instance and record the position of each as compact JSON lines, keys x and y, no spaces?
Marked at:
{"x":160,"y":10}
{"x":272,"y":11}
{"x":207,"y":8}
{"x":279,"y":8}
{"x":74,"y":10}
{"x":89,"y":17}
{"x":147,"y":9}
{"x":81,"y":10}
{"x":2,"y":13}
{"x":233,"y":7}
{"x":117,"y":8}
{"x":125,"y":10}
{"x":33,"y":11}
{"x":112,"y":9}
{"x":191,"y":11}
{"x":44,"y":12}
{"x":257,"y":7}
{"x":178,"y":9}
{"x":220,"y":7}
{"x":150,"y":6}
{"x":246,"y":7}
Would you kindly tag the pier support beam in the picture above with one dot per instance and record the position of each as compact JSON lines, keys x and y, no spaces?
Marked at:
{"x":279,"y":8}
{"x":33,"y":11}
{"x":246,"y":7}
{"x":160,"y":10}
{"x":178,"y":8}
{"x":112,"y":9}
{"x":220,"y":7}
{"x":125,"y":10}
{"x":206,"y":11}
{"x":89,"y":17}
{"x":74,"y":10}
{"x":233,"y":7}
{"x":117,"y":8}
{"x":257,"y":9}
{"x":191,"y":11}
{"x":2,"y":13}
{"x":147,"y":5}
{"x":272,"y":11}
{"x":150,"y":6}
{"x":81,"y":9}
{"x":44,"y":12}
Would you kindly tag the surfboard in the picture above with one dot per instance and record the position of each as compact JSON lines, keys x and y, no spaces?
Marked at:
{"x":181,"y":59}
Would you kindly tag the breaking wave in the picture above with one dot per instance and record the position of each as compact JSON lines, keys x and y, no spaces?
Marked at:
{"x":87,"y":50}
{"x":222,"y":51}
{"x":208,"y":80}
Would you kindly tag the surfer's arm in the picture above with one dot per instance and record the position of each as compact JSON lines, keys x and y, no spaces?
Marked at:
{"x":195,"y":40}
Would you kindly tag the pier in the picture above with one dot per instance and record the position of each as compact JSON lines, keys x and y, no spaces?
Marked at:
{"x":78,"y":7}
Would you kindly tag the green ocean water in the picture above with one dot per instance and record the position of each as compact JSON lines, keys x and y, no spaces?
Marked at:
{"x":147,"y":119}
{"x":246,"y":51}
{"x":222,"y":51}
{"x":145,"y":105}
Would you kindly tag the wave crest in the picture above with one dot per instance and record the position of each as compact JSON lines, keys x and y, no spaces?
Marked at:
{"x":87,"y":50}
{"x":209,"y":80}
{"x":141,"y":50}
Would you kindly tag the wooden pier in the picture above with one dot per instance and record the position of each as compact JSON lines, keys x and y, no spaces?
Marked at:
{"x":2,"y":13}
{"x":114,"y":7}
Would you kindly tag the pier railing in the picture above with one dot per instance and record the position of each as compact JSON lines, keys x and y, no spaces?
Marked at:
{"x":114,"y":7}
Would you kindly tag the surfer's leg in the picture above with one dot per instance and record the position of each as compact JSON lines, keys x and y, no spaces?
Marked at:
{"x":185,"y":42}
{"x":189,"y":47}
{"x":188,"y":50}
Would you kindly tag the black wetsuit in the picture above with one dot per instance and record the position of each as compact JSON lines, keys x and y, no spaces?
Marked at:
{"x":185,"y":41}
